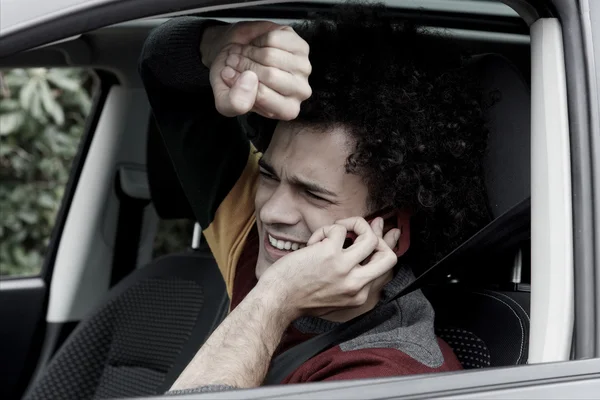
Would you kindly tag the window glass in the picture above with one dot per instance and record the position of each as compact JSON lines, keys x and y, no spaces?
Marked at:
{"x":42,"y":117}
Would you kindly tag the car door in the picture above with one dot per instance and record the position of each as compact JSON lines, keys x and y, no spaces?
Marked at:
{"x":47,"y":118}
{"x":580,"y":54}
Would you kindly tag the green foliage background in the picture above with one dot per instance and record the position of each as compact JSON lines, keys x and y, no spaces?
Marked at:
{"x":42,"y":118}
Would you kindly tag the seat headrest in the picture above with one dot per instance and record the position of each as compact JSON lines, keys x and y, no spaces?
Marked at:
{"x":166,"y":192}
{"x":507,"y":162}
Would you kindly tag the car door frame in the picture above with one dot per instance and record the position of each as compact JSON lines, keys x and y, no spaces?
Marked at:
{"x":583,"y":125}
{"x":26,"y":325}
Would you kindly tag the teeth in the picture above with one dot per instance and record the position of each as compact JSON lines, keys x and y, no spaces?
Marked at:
{"x":284,"y":245}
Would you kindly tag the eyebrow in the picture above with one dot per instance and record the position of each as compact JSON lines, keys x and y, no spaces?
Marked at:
{"x":296,"y":181}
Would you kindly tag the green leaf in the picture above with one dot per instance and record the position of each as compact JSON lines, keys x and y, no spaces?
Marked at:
{"x":6,"y":148}
{"x":16,"y":78}
{"x":11,"y":122}
{"x":36,"y":109}
{"x":47,"y":201}
{"x":9,"y":105}
{"x":85,"y":102}
{"x":50,"y":104}
{"x":60,"y":79}
{"x":28,"y":216}
{"x":28,"y":93}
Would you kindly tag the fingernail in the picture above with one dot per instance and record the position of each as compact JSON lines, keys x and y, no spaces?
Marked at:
{"x":380,"y":223}
{"x":232,"y":60}
{"x":228,"y":73}
{"x":246,"y":82}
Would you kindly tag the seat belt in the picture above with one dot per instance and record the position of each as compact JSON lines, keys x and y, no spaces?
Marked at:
{"x":506,"y":231}
{"x":129,"y":225}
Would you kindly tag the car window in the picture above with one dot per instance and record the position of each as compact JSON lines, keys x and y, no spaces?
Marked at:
{"x":42,"y":117}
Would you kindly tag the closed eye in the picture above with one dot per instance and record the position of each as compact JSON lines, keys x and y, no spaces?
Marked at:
{"x":314,"y":196}
{"x":267,"y":175}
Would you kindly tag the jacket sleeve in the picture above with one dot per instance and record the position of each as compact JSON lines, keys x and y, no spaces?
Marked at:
{"x":214,"y":160}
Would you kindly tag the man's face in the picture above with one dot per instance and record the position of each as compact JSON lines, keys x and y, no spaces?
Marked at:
{"x":303,"y":186}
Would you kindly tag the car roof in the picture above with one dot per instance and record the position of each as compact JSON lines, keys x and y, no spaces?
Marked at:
{"x":18,"y":15}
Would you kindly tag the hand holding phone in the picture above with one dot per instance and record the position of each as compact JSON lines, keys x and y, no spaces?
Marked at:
{"x":392,"y":218}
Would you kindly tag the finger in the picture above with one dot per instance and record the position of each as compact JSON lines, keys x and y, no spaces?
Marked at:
{"x":277,"y":58}
{"x":283,"y":39}
{"x":240,"y":98}
{"x":279,"y":80}
{"x":366,"y":241}
{"x":336,"y":233}
{"x":377,"y":226}
{"x":230,"y":80}
{"x":229,"y":76}
{"x":382,"y":261}
{"x":279,"y":107}
{"x":246,"y":31}
{"x":391,"y":238}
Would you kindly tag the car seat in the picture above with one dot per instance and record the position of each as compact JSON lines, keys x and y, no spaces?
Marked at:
{"x":491,"y":327}
{"x":151,"y":324}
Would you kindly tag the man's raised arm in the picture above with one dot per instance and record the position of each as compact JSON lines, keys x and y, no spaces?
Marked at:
{"x":209,"y":151}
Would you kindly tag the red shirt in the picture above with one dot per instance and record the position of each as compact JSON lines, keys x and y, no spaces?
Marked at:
{"x":368,"y":361}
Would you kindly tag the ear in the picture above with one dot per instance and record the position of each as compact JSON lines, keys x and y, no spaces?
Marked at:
{"x":403,"y":224}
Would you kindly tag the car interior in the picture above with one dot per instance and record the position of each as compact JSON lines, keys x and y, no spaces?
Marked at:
{"x":107,"y":320}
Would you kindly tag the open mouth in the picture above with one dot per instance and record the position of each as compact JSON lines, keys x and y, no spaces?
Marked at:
{"x":284,"y":245}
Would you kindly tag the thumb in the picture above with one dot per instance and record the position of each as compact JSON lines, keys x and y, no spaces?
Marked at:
{"x":335,"y":232}
{"x":240,"y":98}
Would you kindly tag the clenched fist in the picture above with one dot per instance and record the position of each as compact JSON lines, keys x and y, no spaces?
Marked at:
{"x":261,"y":67}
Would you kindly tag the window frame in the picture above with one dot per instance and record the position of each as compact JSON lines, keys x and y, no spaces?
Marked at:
{"x":578,"y":61}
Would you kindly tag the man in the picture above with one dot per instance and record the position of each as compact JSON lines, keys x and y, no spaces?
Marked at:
{"x":370,"y":116}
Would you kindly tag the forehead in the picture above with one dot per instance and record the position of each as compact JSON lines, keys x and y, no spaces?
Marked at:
{"x":309,"y":151}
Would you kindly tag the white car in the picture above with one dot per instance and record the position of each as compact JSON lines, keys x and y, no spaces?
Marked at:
{"x":103,"y":319}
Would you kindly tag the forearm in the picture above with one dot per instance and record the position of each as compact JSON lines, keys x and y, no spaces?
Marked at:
{"x":208,"y":151}
{"x":172,"y":53}
{"x":239,"y":351}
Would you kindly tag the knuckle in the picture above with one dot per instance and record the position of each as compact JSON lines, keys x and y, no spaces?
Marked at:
{"x":268,"y":57}
{"x":393,"y":258}
{"x":305,"y":68}
{"x":329,"y":254}
{"x":309,"y":68}
{"x":248,"y":51}
{"x":360,"y":298}
{"x":305,"y":47}
{"x":289,"y":111}
{"x":261,"y":94}
{"x":270,"y":74}
{"x":271,"y":38}
{"x":352,"y":287}
{"x":293,"y":110}
{"x":305,"y":91}
{"x":372,"y":239}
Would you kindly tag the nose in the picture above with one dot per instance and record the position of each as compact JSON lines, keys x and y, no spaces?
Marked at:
{"x":280,"y":208}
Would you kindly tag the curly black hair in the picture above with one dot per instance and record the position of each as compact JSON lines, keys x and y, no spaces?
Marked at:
{"x":416,"y":116}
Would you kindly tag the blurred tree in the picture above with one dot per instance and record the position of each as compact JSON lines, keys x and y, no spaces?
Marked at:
{"x":42,"y":116}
